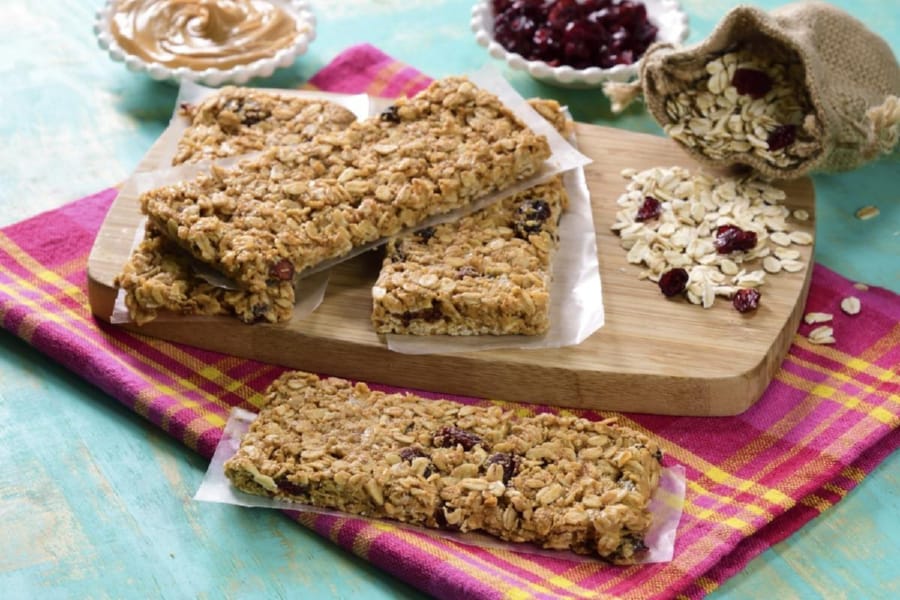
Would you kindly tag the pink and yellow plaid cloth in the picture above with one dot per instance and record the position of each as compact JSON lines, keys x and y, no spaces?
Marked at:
{"x":828,"y":418}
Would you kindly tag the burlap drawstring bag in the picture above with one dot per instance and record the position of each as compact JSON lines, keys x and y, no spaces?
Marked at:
{"x":844,"y":96}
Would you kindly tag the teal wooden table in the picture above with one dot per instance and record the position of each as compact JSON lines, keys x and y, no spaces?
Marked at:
{"x":95,"y":502}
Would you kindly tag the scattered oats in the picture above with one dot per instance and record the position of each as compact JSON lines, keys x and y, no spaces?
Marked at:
{"x":867,"y":212}
{"x":861,"y":286}
{"x":801,"y":215}
{"x":792,"y":266}
{"x":817,"y":317}
{"x":771,"y":264}
{"x":781,"y":238}
{"x":728,"y":267}
{"x":628,"y":173}
{"x":801,"y":237}
{"x":787,"y":253}
{"x":822,"y":335}
{"x":851,"y":305}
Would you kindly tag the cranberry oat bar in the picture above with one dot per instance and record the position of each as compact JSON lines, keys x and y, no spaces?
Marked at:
{"x":294,"y":207}
{"x":486,"y":274}
{"x":560,"y":482}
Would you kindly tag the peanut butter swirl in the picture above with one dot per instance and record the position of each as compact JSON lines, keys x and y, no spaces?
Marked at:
{"x":200,"y":34}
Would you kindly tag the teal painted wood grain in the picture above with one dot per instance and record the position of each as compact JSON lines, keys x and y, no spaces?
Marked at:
{"x":95,"y":502}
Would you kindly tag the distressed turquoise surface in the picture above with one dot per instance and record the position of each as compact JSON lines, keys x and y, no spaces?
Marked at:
{"x":95,"y":502}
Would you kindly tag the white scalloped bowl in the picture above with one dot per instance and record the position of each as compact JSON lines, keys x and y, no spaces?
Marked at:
{"x":667,"y":15}
{"x":239,"y":74}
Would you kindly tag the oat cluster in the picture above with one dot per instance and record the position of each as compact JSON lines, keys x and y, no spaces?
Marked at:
{"x":746,"y":102}
{"x":561,"y":482}
{"x":693,"y":220}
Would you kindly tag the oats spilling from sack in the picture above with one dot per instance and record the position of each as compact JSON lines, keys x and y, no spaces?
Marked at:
{"x":707,"y":236}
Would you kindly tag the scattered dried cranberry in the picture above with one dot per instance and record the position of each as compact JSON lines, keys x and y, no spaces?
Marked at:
{"x":509,"y":462}
{"x":448,"y":437}
{"x":577,"y":33}
{"x":289,"y":487}
{"x":650,"y":209}
{"x":530,"y":217}
{"x":390,"y":114}
{"x":673,"y":282}
{"x":746,"y":300}
{"x":782,"y":137}
{"x":731,"y":237}
{"x":752,"y":82}
{"x":408,"y":454}
{"x":283,"y":270}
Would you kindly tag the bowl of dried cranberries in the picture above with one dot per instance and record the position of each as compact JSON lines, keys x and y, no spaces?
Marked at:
{"x":576,"y":43}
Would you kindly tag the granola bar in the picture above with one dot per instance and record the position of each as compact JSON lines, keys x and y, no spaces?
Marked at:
{"x":159,"y":276}
{"x":294,"y":207}
{"x":488,"y":273}
{"x":241,"y":120}
{"x":560,"y":482}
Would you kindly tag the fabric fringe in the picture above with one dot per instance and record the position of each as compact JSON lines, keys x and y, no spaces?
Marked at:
{"x":620,"y":94}
{"x":884,"y":128}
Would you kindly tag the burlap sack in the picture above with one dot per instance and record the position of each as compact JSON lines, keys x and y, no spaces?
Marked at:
{"x":850,"y":76}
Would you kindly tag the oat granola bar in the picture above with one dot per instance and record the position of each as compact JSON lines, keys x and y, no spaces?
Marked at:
{"x":486,"y":274}
{"x":560,"y":482}
{"x":242,"y":120}
{"x":294,"y":207}
{"x":159,"y":276}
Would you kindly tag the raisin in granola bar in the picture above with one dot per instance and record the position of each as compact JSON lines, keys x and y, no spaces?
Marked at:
{"x":159,"y":276}
{"x":560,"y":482}
{"x":242,"y":120}
{"x":488,"y":273}
{"x":294,"y":207}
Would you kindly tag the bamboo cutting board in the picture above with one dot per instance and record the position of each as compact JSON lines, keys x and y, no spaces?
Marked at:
{"x":653,"y":355}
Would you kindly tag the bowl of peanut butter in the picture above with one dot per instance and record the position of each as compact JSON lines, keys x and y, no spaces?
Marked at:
{"x":212,"y":42}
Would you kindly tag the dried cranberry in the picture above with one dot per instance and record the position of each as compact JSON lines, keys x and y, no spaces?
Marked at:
{"x":408,"y":454}
{"x":289,"y":487}
{"x":429,"y":315}
{"x":425,"y":234}
{"x":448,"y":437}
{"x":782,"y":137}
{"x":390,"y":114}
{"x":751,"y":82}
{"x":283,"y":270}
{"x":259,"y":311}
{"x":530,"y":217}
{"x":731,"y":237}
{"x":673,"y":282}
{"x":650,"y":209}
{"x":509,"y":462}
{"x":746,"y":300}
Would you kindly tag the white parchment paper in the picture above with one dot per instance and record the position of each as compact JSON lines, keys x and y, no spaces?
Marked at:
{"x":666,"y":505}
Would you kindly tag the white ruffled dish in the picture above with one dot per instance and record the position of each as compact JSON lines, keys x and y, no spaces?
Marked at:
{"x":239,"y":74}
{"x":667,"y":15}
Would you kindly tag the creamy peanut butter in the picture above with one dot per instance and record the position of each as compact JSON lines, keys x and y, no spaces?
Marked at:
{"x":200,"y":34}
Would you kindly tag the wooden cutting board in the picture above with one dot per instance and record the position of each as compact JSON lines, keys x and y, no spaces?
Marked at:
{"x":653,"y":355}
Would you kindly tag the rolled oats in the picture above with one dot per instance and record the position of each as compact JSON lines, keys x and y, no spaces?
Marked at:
{"x":745,"y":102}
{"x":822,"y":335}
{"x":683,"y":236}
{"x":851,"y":305}
{"x":867,"y":212}
{"x":817,"y":317}
{"x":454,"y":144}
{"x":560,"y":482}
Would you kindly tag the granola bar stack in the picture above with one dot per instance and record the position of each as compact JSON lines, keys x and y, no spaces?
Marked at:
{"x":295,"y":206}
{"x":161,"y":276}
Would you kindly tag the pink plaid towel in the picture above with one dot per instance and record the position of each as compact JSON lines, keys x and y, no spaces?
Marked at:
{"x":830,"y":415}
